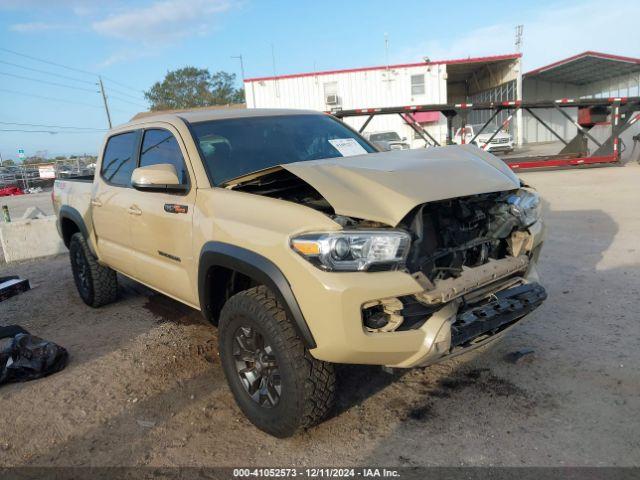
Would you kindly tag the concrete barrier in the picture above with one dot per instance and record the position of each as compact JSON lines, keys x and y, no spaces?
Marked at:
{"x":30,"y":238}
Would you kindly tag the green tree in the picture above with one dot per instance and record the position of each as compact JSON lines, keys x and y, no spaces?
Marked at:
{"x":191,"y":87}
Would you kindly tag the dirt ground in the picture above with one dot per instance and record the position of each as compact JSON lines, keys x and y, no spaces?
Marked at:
{"x":144,"y":384}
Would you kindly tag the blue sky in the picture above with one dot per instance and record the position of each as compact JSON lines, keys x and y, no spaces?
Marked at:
{"x":133,"y":44}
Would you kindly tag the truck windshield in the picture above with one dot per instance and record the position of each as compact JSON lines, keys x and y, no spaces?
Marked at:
{"x":235,"y":147}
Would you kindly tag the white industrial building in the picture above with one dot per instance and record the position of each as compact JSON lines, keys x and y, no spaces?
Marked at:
{"x":587,"y":75}
{"x":429,"y":82}
{"x":470,"y":80}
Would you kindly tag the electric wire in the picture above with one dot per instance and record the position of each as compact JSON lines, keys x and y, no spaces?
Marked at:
{"x":47,"y":73}
{"x":73,"y":87}
{"x":51,"y":126}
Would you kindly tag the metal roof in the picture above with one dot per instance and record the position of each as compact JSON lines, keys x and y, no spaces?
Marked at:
{"x":471,"y":61}
{"x":585,"y":68}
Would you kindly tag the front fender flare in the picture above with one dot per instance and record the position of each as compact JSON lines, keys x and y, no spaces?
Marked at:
{"x":257,"y":267}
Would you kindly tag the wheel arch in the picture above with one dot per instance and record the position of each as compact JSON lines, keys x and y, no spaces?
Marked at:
{"x":69,"y":222}
{"x":227,"y":259}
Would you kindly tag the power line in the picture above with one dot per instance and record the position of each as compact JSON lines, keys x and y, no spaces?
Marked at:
{"x":47,"y":73}
{"x":120,"y":92}
{"x":126,"y":101}
{"x":50,"y":98}
{"x":122,"y":84}
{"x":52,"y":132}
{"x":47,"y":61}
{"x":52,"y":126}
{"x":47,"y":82}
{"x":86,"y":72}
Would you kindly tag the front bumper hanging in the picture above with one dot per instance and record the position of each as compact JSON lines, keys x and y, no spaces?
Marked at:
{"x":506,"y":308}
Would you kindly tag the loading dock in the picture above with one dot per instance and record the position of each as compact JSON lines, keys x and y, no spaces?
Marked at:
{"x":576,"y":150}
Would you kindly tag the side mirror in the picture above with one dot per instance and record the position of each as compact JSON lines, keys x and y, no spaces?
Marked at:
{"x":161,"y":177}
{"x":404,"y":139}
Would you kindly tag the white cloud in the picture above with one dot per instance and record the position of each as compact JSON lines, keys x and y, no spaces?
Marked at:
{"x":32,"y":27}
{"x":550,"y":34}
{"x":126,"y":55}
{"x":162,"y":21}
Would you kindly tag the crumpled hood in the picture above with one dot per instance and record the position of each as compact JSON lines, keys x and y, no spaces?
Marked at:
{"x":385,"y":186}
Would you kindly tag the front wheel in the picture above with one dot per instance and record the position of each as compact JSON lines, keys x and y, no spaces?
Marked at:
{"x":276,"y":382}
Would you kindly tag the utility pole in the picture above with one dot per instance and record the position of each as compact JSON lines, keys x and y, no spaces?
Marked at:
{"x":273,"y":61}
{"x":239,"y":57}
{"x":104,"y":99}
{"x":519,"y":37}
{"x":519,"y":119}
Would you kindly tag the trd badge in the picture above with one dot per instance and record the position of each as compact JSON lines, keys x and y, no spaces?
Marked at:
{"x":175,"y":208}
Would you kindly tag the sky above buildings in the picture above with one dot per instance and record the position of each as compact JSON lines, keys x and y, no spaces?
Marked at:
{"x":132,"y":44}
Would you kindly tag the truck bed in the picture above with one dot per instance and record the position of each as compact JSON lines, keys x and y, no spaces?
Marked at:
{"x":73,"y":192}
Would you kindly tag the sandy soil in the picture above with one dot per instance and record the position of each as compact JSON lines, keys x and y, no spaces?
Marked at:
{"x":144,"y":384}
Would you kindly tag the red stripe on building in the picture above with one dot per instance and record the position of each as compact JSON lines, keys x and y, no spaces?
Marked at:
{"x":495,"y":58}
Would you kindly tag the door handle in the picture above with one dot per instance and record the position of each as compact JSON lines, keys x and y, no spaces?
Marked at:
{"x":96,"y":203}
{"x":133,"y":210}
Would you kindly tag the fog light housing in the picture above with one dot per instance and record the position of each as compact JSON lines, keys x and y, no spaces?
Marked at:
{"x":375,"y":317}
{"x":382,"y":315}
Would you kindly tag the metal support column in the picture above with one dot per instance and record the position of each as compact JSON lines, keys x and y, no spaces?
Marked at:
{"x":546,"y":126}
{"x":578,"y":126}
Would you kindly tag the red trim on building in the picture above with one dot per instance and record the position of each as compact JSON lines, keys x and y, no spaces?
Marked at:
{"x":589,"y":53}
{"x":495,"y":58}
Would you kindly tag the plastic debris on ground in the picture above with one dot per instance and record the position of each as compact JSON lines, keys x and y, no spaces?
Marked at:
{"x":12,"y":285}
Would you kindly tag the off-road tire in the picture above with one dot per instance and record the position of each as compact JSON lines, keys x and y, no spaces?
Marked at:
{"x":96,"y":284}
{"x":308,"y":384}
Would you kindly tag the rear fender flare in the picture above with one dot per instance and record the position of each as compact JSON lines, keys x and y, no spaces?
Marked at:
{"x":69,"y":213}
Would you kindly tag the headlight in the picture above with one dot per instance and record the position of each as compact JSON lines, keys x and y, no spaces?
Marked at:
{"x":355,"y":250}
{"x":526,"y":206}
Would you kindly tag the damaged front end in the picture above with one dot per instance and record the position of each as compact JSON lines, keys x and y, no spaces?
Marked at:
{"x":471,"y":256}
{"x":474,"y":254}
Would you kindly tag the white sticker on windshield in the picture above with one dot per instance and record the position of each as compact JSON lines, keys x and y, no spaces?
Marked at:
{"x":347,"y":146}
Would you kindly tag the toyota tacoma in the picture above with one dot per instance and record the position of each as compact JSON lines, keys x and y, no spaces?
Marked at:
{"x":306,"y":246}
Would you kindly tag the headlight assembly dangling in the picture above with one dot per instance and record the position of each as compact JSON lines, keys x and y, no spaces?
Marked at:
{"x":355,"y":250}
{"x":526,"y":206}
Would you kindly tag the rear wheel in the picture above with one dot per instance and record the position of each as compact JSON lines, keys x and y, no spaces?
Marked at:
{"x":276,"y":382}
{"x":96,"y":284}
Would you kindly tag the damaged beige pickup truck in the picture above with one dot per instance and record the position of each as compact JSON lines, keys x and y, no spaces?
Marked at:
{"x":306,"y":246}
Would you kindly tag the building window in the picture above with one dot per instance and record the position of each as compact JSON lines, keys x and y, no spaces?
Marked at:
{"x":417,"y":84}
{"x":331,"y":93}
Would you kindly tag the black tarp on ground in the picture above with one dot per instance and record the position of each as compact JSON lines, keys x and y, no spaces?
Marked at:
{"x":26,"y":357}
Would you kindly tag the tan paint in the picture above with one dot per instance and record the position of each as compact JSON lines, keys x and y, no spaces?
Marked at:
{"x":331,"y":302}
{"x":385,"y":186}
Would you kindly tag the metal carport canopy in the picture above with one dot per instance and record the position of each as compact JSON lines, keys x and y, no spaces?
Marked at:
{"x":585,"y":68}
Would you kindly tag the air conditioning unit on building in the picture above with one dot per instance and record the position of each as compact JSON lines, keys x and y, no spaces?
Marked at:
{"x":332,"y":100}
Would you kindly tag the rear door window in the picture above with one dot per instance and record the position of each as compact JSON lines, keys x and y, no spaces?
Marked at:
{"x":160,"y":146}
{"x":118,"y":161}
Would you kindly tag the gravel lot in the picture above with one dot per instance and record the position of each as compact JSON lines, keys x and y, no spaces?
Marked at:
{"x":144,"y":385}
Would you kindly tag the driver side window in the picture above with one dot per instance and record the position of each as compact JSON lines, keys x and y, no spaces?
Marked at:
{"x":160,"y":146}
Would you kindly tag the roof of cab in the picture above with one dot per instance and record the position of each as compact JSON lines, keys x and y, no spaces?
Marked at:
{"x":206,"y":114}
